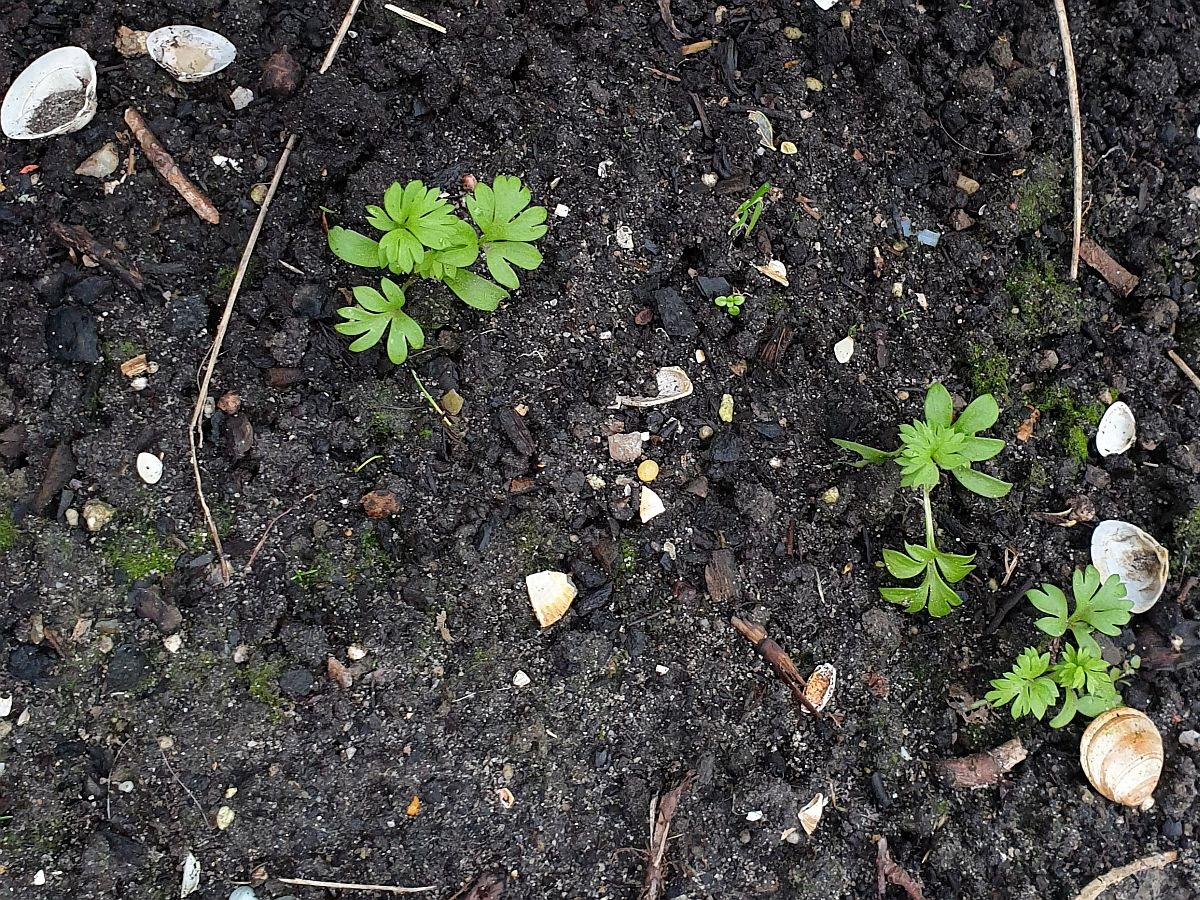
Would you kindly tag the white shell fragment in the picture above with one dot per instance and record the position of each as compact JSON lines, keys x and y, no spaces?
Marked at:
{"x":1122,"y":756}
{"x":776,"y":271}
{"x":191,"y":876}
{"x":819,"y":688}
{"x":56,"y":94}
{"x":241,"y":97}
{"x":826,"y":4}
{"x":843,"y":350}
{"x":520,"y":679}
{"x":673,"y":384}
{"x":100,"y":164}
{"x":550,"y":595}
{"x":1117,"y":430}
{"x":651,"y":505}
{"x":188,"y":52}
{"x":810,"y":816}
{"x":149,"y":468}
{"x":1143,"y":564}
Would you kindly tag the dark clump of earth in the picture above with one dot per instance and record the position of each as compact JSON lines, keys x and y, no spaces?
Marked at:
{"x":371,"y":700}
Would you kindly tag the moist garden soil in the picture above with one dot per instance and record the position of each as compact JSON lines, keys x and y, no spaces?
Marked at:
{"x":146,"y":696}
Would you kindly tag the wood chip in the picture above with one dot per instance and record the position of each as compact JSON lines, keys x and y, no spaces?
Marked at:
{"x":697,"y":47}
{"x":1115,"y":275}
{"x":338,"y":673}
{"x":721,"y":576}
{"x":980,"y":770}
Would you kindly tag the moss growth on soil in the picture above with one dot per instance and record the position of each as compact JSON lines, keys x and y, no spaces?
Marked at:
{"x":1045,"y":305}
{"x":1187,"y":542}
{"x":1072,"y":419}
{"x":261,"y":683}
{"x":1040,"y":196}
{"x":987,"y":371}
{"x":8,"y":530}
{"x":139,"y":554}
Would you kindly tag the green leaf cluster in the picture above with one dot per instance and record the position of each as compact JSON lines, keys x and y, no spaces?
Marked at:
{"x":732,"y":303}
{"x":943,"y":444}
{"x":422,"y":237}
{"x":939,"y":444}
{"x":1088,"y":683}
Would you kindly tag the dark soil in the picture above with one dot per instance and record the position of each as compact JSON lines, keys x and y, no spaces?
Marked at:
{"x":145,"y":693}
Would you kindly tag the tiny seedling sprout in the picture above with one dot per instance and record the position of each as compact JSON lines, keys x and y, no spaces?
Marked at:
{"x":939,"y":444}
{"x":745,"y":217}
{"x":731,"y":303}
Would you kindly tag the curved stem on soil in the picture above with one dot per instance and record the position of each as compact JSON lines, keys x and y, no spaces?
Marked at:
{"x":929,"y":541}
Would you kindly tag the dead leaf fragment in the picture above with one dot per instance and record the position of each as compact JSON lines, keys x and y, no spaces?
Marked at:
{"x":662,"y":811}
{"x":338,"y":673}
{"x":442,"y":630}
{"x":1025,"y":429}
{"x":379,"y":504}
{"x":414,"y":807}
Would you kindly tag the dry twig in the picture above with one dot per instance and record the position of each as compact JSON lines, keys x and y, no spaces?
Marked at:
{"x":194,"y":427}
{"x":413,"y":17}
{"x":186,"y":790}
{"x":164,"y":164}
{"x":267,"y":531}
{"x":351,"y":886}
{"x":1098,"y":886}
{"x":81,"y":241}
{"x":888,"y":871}
{"x":1119,"y":278}
{"x":1184,"y":368}
{"x":1064,"y":31}
{"x":983,"y":769}
{"x":775,"y":656}
{"x":662,"y":811}
{"x":339,"y":37}
{"x":664,"y":10}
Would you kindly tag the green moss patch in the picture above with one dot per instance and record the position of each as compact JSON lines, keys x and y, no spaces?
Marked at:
{"x":1044,"y":304}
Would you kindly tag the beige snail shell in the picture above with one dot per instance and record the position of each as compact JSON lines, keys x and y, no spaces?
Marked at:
{"x":1122,"y":756}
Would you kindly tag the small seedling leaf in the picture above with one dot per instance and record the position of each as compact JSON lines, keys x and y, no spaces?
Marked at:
{"x":981,"y":484}
{"x":356,"y":249}
{"x":939,"y":408}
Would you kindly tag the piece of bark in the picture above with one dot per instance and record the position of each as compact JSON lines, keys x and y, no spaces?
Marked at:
{"x":888,"y":871}
{"x":59,"y":470}
{"x":338,"y":673}
{"x":81,"y":241}
{"x":517,"y":431}
{"x":721,"y":576}
{"x":171,"y":173}
{"x":1115,"y":275}
{"x":982,"y":769}
{"x":662,"y":811}
{"x":379,"y":504}
{"x":776,"y":657}
{"x":486,"y":887}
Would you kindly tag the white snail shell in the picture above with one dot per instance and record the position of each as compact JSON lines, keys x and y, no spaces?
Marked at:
{"x":55,"y":94}
{"x":1122,"y":756}
{"x":1119,"y":548}
{"x":1117,"y":430}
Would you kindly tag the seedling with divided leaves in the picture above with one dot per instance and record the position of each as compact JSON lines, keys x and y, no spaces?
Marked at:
{"x":1088,"y":683}
{"x":421,"y":237}
{"x":939,"y":444}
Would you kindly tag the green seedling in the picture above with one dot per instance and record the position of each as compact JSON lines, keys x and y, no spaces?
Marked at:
{"x":939,"y":444}
{"x":421,"y":237}
{"x":375,"y":314}
{"x":732,"y":304}
{"x":745,"y":217}
{"x":1088,"y":683}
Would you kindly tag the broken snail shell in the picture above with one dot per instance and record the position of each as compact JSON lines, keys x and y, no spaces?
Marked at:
{"x":650,"y":505}
{"x":810,"y":816}
{"x":550,"y":595}
{"x":1122,"y":756}
{"x":818,"y":690}
{"x":1143,"y":564}
{"x":188,"y":52}
{"x":673,"y":384}
{"x":56,"y":94}
{"x":1117,"y":430}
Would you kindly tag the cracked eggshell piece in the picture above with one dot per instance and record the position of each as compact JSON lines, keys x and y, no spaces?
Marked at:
{"x":188,"y":52}
{"x":55,"y":94}
{"x":1117,"y":430}
{"x":1143,"y":564}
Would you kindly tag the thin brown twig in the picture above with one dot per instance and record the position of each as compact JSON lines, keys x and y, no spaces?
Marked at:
{"x":164,"y":164}
{"x":351,"y":886}
{"x":1184,"y":368}
{"x":1064,"y":31}
{"x":776,"y":657}
{"x":79,"y":239}
{"x":267,"y":531}
{"x":194,"y":428}
{"x":668,"y":19}
{"x":339,"y":37}
{"x":1093,"y":889}
{"x":170,"y":769}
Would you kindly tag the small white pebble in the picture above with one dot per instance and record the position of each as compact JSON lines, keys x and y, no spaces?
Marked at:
{"x":72,"y":517}
{"x":40,"y":878}
{"x":843,"y":350}
{"x":140,"y":383}
{"x":661,"y":669}
{"x":520,"y":679}
{"x":754,"y":815}
{"x":562,"y":210}
{"x":355,"y":652}
{"x":173,"y":643}
{"x":5,"y":706}
{"x":149,"y":467}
